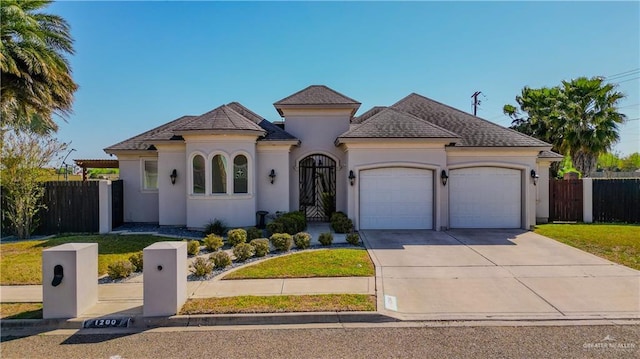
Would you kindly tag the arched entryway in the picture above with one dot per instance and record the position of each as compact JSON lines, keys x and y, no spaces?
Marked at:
{"x":317,"y":187}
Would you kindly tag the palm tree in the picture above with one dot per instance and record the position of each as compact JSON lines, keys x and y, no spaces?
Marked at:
{"x":579,"y":118}
{"x":589,"y":108}
{"x":36,"y":78}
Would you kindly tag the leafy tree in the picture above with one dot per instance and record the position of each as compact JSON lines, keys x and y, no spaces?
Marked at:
{"x":24,"y":155}
{"x":579,"y":118}
{"x":609,"y":162}
{"x":36,"y":78}
{"x":631,"y":163}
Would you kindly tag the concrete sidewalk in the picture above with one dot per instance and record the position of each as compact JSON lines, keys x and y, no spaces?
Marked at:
{"x":126,"y":298}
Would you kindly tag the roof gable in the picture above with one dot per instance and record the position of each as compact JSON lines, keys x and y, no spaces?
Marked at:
{"x":223,"y":118}
{"x":142,"y":141}
{"x":317,"y":95}
{"x":273,"y":132}
{"x":391,"y":123}
{"x":474,"y":131}
{"x":367,"y":114}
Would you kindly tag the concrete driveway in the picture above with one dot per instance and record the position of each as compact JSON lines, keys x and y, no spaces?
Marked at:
{"x":501,"y":274}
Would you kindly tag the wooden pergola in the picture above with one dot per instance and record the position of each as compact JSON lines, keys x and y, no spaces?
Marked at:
{"x":86,"y":164}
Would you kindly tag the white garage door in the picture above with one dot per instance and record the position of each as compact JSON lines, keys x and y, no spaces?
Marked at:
{"x":396,"y":198}
{"x":484,"y":197}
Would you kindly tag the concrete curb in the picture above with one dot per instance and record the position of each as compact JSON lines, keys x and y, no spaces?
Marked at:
{"x":140,"y":322}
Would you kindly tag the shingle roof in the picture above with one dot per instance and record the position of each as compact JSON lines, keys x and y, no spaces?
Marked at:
{"x":232,"y":116}
{"x":391,"y":123}
{"x":474,"y":131}
{"x":317,"y":95}
{"x":372,"y":111}
{"x":273,"y":132}
{"x":223,"y":118}
{"x":550,"y":154}
{"x":141,"y":141}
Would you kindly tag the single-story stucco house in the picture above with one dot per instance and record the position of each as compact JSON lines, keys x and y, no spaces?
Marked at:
{"x":417,"y":164}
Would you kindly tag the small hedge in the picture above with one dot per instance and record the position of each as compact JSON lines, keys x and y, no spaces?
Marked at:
{"x":353,"y":238}
{"x":120,"y":269}
{"x":281,"y":241}
{"x":236,"y":236}
{"x":243,"y":251}
{"x":261,"y":246}
{"x":340,"y":223}
{"x":193,"y":247}
{"x":216,"y":226}
{"x":291,"y":223}
{"x":201,"y":267}
{"x":213,"y":242}
{"x":302,"y":240}
{"x":326,"y":239}
{"x":254,"y":233}
{"x":136,"y":260}
{"x":220,"y":259}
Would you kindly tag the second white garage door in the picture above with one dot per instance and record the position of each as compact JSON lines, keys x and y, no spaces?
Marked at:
{"x":396,"y":198}
{"x":485,"y":197}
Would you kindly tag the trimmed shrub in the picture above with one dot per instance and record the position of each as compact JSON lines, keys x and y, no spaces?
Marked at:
{"x":120,"y":269}
{"x":213,"y":242}
{"x":340,"y":223}
{"x":281,"y":241}
{"x":353,"y":238}
{"x":291,"y":222}
{"x":275,"y":227}
{"x":261,"y":246}
{"x":220,"y":259}
{"x":201,"y":267}
{"x":193,"y":247}
{"x":136,"y":260}
{"x":302,"y":240}
{"x":236,"y":236}
{"x":243,"y":251}
{"x":254,"y":233}
{"x":216,"y":226}
{"x":326,"y":238}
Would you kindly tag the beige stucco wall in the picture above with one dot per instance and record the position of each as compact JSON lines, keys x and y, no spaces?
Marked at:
{"x":364,"y":156}
{"x":542,"y":192}
{"x":273,"y":197}
{"x":317,"y":130}
{"x":139,"y":205}
{"x":236,"y":210}
{"x":520,"y":159}
{"x":172,"y":199}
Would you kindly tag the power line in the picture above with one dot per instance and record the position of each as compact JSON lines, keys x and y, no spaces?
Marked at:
{"x":635,"y":78}
{"x":623,"y":74}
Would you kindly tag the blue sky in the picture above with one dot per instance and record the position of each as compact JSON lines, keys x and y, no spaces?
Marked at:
{"x":142,"y":64}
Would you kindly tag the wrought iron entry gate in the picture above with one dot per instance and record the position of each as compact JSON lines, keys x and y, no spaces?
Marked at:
{"x":318,"y":187}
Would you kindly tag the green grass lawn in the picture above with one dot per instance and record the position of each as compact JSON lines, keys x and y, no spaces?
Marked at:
{"x":281,"y":304}
{"x":316,"y":263}
{"x":21,"y":262}
{"x":618,"y":243}
{"x":21,"y":310}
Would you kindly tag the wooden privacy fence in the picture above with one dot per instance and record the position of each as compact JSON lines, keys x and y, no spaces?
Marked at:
{"x":616,"y":200}
{"x":565,"y":200}
{"x":71,"y":206}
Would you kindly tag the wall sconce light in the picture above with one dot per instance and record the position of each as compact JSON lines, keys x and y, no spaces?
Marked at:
{"x":173,"y":176}
{"x":272,"y":175}
{"x":444,"y":177}
{"x":352,"y":178}
{"x":535,"y":177}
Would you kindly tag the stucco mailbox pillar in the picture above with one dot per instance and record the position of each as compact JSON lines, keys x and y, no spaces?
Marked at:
{"x":69,"y":280}
{"x":165,"y":278}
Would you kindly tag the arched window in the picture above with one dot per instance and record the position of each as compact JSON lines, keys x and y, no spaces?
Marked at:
{"x":219,"y":174}
{"x":198,"y":174}
{"x":240,"y":170}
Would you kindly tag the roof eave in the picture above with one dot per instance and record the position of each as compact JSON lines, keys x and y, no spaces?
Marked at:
{"x":353,"y":106}
{"x":221,"y":132}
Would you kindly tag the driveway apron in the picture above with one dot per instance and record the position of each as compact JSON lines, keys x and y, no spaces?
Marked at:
{"x":495,"y":274}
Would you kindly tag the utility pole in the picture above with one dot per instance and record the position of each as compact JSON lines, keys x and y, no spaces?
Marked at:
{"x":476,"y":102}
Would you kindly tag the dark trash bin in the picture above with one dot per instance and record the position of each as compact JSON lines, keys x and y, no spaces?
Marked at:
{"x":260,"y":218}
